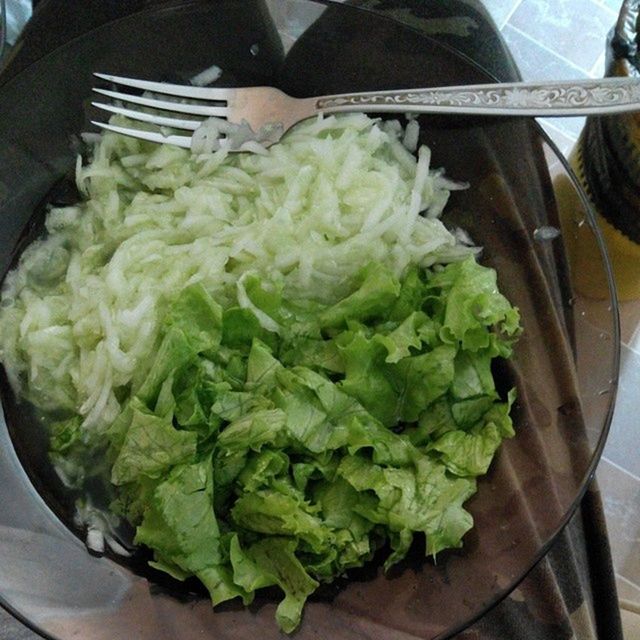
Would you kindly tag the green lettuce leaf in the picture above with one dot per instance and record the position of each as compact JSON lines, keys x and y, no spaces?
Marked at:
{"x":198,"y":316}
{"x":470,"y":453}
{"x":176,"y":351}
{"x":420,"y":380}
{"x":367,"y":376}
{"x":403,"y":338}
{"x":377,"y":290}
{"x":276,"y":559}
{"x":151,"y":447}
{"x":473,"y":302}
{"x":179,"y":523}
{"x":270,"y":512}
{"x":253,"y":431}
{"x":420,"y":499}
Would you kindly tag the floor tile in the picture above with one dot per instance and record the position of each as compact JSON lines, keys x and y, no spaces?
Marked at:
{"x":571,"y":127}
{"x":630,"y":324}
{"x":630,"y":623}
{"x":622,"y":444}
{"x":614,"y":5}
{"x":535,"y":61}
{"x":621,"y":496}
{"x":597,"y":70}
{"x":538,"y":63}
{"x":501,"y":10}
{"x":627,"y":590}
{"x":563,"y":139}
{"x":573,"y":29}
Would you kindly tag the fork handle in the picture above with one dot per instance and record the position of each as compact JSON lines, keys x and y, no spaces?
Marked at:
{"x":566,"y":98}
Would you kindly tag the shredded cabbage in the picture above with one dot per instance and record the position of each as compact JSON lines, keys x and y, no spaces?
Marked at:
{"x":81,"y":314}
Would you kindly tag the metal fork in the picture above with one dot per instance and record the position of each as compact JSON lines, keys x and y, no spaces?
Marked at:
{"x":261,"y":107}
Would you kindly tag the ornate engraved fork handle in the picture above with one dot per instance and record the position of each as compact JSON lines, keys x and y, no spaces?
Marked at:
{"x":578,"y":97}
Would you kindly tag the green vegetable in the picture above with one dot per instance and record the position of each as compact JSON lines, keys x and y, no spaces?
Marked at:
{"x":273,"y":561}
{"x":275,"y":379}
{"x":152,"y":446}
{"x":179,"y":523}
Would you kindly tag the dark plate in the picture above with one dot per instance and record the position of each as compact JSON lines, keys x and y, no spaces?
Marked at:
{"x":565,"y":366}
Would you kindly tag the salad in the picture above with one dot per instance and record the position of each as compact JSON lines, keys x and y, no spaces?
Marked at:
{"x":279,"y":362}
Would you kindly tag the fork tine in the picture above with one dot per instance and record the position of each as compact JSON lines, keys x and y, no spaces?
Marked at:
{"x":143,"y":116}
{"x":151,"y":136}
{"x":181,"y":107}
{"x":202,"y":93}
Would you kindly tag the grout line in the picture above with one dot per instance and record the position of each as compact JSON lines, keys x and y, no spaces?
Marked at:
{"x":510,"y":13}
{"x":632,"y":338}
{"x":597,"y":64}
{"x":630,"y":605}
{"x":620,"y":577}
{"x":625,"y":603}
{"x":582,"y":71}
{"x":633,"y":476}
{"x":607,"y":8}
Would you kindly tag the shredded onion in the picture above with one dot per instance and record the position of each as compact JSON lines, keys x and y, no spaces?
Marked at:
{"x":206,"y":77}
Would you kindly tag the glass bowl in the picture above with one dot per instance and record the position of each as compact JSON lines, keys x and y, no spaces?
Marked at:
{"x":565,"y":366}
{"x":3,"y":27}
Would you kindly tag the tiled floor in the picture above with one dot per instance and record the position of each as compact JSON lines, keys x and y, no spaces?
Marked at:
{"x":542,"y":37}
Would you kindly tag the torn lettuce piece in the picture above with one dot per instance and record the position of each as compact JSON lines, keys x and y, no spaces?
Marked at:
{"x":469,"y":453}
{"x":152,"y":445}
{"x":272,"y":561}
{"x":179,"y":523}
{"x":377,"y":289}
{"x":473,"y":303}
{"x":423,"y":499}
{"x":270,"y":512}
